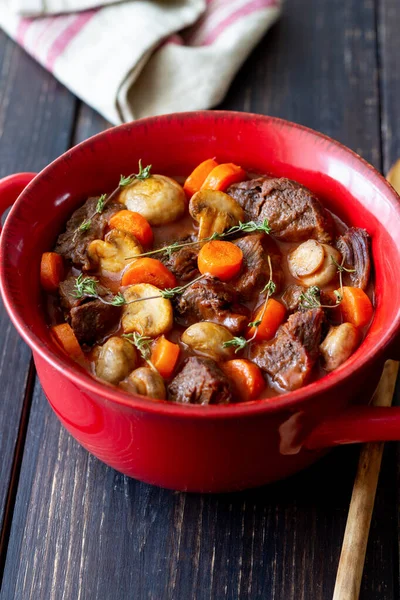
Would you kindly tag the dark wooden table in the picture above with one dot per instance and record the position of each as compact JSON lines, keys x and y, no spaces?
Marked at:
{"x":72,"y":528}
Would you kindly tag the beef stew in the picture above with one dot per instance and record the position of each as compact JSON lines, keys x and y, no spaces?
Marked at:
{"x":231,"y":288}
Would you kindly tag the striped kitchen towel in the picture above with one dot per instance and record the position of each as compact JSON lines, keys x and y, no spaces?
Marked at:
{"x":145,"y":57}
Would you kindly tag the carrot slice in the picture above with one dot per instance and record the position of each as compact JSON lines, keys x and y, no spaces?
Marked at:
{"x":220,"y":259}
{"x":134,"y":223}
{"x":196,"y":179}
{"x":223,"y":176}
{"x":65,"y":336}
{"x":356,"y":307}
{"x":273,"y":317}
{"x":246,"y":376}
{"x":164,"y":356}
{"x":149,"y":270}
{"x":51,"y":271}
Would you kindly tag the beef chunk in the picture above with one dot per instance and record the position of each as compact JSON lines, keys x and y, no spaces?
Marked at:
{"x":67,"y":293}
{"x":354,"y":246}
{"x":201,"y":381}
{"x":255,"y":270}
{"x":73,"y":243}
{"x":211,"y":300}
{"x":293,"y":212}
{"x":183,"y":262}
{"x":289,"y":358}
{"x":93,"y":320}
{"x":291,"y":297}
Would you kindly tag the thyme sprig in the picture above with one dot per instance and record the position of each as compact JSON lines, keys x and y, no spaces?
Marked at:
{"x":143,"y":345}
{"x":100,"y":203}
{"x":141,"y":342}
{"x":176,"y":291}
{"x":241,"y":342}
{"x":141,"y":176}
{"x":86,"y":287}
{"x":85,"y":225}
{"x":238,"y":342}
{"x":249,"y":227}
{"x":340,"y":269}
{"x":104,"y":199}
{"x":311,"y":298}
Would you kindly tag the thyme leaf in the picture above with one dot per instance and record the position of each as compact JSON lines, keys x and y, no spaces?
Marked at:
{"x":141,"y":342}
{"x":85,"y":225}
{"x":310,"y":298}
{"x":270,"y":287}
{"x":100,"y":203}
{"x":250,"y":227}
{"x":118,"y":300}
{"x":238,"y":342}
{"x":124,"y":181}
{"x":171,"y":248}
{"x":341,"y":267}
{"x":254,"y":323}
{"x":144,"y":173}
{"x":86,"y":287}
{"x":176,"y":291}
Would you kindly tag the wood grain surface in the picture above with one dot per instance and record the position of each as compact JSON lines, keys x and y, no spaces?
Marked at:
{"x":36,"y":114}
{"x":76,"y":529}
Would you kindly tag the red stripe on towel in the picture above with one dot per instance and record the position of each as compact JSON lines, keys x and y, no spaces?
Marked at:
{"x":66,"y":37}
{"x":22,"y":28}
{"x":205,"y":32}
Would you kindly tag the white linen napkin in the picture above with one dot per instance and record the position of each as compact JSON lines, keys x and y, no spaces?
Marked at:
{"x":127,"y":59}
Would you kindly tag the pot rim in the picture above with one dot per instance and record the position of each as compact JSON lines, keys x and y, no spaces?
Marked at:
{"x":288,"y":400}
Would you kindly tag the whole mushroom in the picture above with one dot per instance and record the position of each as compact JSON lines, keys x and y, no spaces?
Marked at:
{"x":158,"y":198}
{"x":146,"y":382}
{"x":339,"y":345}
{"x":115,"y":359}
{"x":208,"y":339}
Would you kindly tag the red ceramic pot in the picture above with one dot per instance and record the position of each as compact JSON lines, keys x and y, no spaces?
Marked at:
{"x":190,"y":447}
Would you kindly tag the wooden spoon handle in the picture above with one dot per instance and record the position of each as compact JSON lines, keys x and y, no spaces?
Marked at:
{"x":352,"y":557}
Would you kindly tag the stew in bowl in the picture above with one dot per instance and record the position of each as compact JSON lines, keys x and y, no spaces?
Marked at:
{"x":223,"y":287}
{"x":178,"y":442}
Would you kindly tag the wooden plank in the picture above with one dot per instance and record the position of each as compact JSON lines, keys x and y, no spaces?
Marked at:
{"x":81,"y":530}
{"x":389,"y":56}
{"x":88,"y":123}
{"x":88,"y":527}
{"x":35,"y":118}
{"x":388,"y":20}
{"x":318,"y":67}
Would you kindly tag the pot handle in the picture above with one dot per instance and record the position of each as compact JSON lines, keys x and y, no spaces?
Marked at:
{"x":355,"y":425}
{"x":10,"y":189}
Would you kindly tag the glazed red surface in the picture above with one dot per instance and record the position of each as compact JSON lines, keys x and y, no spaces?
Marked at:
{"x":208,"y":448}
